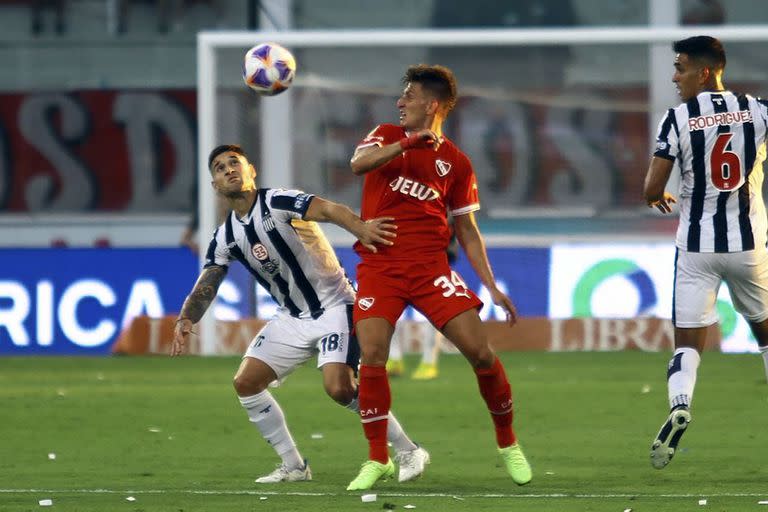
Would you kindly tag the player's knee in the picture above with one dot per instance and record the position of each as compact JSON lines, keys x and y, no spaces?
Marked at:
{"x":482,"y":357}
{"x":340,"y":392}
{"x":247,"y":386}
{"x":374,"y":355}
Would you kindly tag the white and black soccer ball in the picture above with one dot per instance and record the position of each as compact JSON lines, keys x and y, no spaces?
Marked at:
{"x":269,"y":68}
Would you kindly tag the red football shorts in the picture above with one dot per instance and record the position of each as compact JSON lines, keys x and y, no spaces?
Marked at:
{"x":385,"y":288}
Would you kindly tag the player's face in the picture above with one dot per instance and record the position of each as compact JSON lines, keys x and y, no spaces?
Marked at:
{"x":687,"y":77}
{"x":416,"y":107}
{"x":232,"y":174}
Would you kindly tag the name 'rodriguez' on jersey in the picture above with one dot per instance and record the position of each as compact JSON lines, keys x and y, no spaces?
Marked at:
{"x":417,"y":188}
{"x":719,"y":140}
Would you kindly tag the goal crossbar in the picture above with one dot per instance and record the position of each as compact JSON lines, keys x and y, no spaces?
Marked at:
{"x":477,"y":37}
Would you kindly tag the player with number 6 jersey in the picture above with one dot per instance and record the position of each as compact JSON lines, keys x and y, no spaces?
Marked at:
{"x":416,"y":175}
{"x":718,"y":139}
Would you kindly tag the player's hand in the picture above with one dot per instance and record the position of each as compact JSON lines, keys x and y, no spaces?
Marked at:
{"x":377,"y":231}
{"x":180,"y":335}
{"x":664,"y":205}
{"x":500,"y":299}
{"x":422,"y":139}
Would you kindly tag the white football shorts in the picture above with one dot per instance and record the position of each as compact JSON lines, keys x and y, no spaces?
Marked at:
{"x":697,"y":281}
{"x":286,"y":342}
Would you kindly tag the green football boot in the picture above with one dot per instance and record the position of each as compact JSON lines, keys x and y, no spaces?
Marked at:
{"x":516,"y":464}
{"x":370,"y":473}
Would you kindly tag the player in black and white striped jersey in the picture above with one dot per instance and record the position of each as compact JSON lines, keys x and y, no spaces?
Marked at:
{"x":287,"y":254}
{"x":274,"y":234}
{"x":718,"y":138}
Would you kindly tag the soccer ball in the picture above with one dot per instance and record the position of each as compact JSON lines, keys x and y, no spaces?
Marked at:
{"x":269,"y":69}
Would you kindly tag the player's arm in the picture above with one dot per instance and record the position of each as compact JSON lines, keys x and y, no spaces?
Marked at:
{"x":470,"y":239}
{"x":369,"y":158}
{"x":196,"y":304}
{"x":371,"y":232}
{"x":655,"y":182}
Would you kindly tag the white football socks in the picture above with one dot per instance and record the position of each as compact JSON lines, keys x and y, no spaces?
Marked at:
{"x":429,"y":343}
{"x":681,"y":376}
{"x":397,"y":341}
{"x":264,"y":412}
{"x":397,"y":436}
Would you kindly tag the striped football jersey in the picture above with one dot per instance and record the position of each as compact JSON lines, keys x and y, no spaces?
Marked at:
{"x":290,"y":257}
{"x":719,"y":141}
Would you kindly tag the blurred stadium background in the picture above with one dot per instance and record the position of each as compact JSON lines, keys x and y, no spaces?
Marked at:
{"x":102,"y":124}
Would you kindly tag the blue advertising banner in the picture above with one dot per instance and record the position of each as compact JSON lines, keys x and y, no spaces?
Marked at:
{"x":76,"y":301}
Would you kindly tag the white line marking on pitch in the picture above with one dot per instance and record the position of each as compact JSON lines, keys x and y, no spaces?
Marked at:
{"x":385,"y":494}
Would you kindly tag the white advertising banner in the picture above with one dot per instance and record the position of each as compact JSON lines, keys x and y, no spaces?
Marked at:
{"x":628,"y":281}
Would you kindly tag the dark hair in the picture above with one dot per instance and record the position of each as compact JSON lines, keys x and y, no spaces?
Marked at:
{"x":438,"y":80}
{"x":223,"y":149}
{"x":703,"y":48}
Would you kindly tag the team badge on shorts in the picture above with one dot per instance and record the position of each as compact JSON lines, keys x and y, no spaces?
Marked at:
{"x":365,"y":303}
{"x":259,"y":252}
{"x":442,"y":167}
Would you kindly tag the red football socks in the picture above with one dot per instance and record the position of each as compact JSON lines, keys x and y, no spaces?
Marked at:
{"x":495,"y":389}
{"x":375,"y":400}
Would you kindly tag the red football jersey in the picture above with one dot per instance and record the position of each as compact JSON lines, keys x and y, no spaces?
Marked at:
{"x":417,"y":188}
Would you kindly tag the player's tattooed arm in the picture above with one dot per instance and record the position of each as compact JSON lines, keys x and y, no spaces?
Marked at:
{"x":203,"y":293}
{"x":195,"y":305}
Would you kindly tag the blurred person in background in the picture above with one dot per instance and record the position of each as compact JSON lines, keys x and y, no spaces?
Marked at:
{"x":58,"y":8}
{"x":718,"y":138}
{"x":702,"y":12}
{"x":189,"y":235}
{"x":416,"y":175}
{"x":274,"y":234}
{"x":170,"y":14}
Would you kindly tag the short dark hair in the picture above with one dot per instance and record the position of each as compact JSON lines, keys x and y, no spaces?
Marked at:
{"x":235,"y":148}
{"x":704,"y":48}
{"x":438,"y":80}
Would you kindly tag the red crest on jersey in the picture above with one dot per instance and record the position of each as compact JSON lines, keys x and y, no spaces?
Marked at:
{"x":417,"y":188}
{"x":442,"y":167}
{"x":365,"y":302}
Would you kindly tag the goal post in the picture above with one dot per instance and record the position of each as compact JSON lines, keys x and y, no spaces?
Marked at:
{"x":219,"y":56}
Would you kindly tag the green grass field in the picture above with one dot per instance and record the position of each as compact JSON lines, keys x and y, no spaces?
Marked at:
{"x":171,"y":434}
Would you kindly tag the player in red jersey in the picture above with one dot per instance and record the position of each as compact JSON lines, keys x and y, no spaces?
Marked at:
{"x":416,"y":175}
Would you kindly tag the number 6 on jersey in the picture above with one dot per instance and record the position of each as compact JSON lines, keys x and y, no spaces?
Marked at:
{"x":725,"y":166}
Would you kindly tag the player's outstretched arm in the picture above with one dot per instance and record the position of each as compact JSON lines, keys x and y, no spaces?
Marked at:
{"x":655,"y":182}
{"x":375,"y":231}
{"x":196,"y":304}
{"x":470,"y":239}
{"x":370,"y":158}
